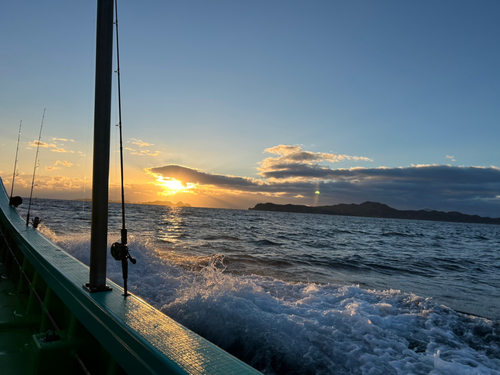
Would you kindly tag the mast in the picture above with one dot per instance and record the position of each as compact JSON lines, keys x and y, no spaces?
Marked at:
{"x":102,"y":130}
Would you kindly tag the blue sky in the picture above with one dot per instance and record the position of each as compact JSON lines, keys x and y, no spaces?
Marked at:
{"x":211,"y":85}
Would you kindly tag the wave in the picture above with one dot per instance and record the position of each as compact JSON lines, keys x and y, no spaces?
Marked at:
{"x":304,"y":328}
{"x":399,"y":234}
{"x":217,"y":238}
{"x":267,"y":243}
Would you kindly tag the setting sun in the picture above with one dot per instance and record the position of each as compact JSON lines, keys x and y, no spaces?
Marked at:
{"x":173,"y":186}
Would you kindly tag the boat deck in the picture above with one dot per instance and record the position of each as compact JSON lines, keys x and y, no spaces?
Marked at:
{"x":15,"y":329}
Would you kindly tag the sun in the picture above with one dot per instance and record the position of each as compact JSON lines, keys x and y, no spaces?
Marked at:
{"x":173,"y":186}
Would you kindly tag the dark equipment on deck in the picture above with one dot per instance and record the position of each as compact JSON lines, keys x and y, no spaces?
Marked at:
{"x":119,"y":251}
{"x":15,"y":201}
{"x":36,"y":222}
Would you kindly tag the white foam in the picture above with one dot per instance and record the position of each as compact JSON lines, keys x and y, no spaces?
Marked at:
{"x":282,"y":327}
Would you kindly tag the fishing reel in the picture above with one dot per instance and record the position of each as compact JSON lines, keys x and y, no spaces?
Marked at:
{"x":36,"y":222}
{"x":119,"y":251}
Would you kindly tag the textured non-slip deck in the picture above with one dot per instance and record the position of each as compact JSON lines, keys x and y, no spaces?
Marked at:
{"x":12,"y":330}
{"x":140,"y":338}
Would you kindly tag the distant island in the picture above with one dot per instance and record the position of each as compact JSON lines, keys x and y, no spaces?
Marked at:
{"x":374,"y":209}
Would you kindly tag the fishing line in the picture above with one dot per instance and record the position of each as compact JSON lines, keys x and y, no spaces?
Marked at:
{"x":34,"y":170}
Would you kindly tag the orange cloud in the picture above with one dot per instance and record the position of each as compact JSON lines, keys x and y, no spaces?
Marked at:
{"x":145,"y":153}
{"x":52,"y":146}
{"x":140,"y":143}
{"x":55,"y":166}
{"x":65,"y":163}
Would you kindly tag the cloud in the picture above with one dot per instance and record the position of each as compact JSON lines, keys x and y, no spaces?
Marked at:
{"x":52,"y":146}
{"x":62,"y":139}
{"x":65,"y":163}
{"x":62,"y":150}
{"x":140,"y":143}
{"x":52,"y":183}
{"x":292,"y":157}
{"x":295,"y":153}
{"x":42,"y":144}
{"x":144,"y":153}
{"x":55,"y":166}
{"x":452,"y":158}
{"x":297,"y":178}
{"x":193,"y":176}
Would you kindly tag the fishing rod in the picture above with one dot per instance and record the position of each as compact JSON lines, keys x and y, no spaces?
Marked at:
{"x":12,"y":202}
{"x":36,"y":221}
{"x":119,"y":251}
{"x":123,"y":231}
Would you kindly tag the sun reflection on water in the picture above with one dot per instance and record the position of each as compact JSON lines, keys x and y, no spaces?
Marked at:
{"x":171,"y":226}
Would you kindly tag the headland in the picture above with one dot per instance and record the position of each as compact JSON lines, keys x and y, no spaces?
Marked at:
{"x":380,"y":210}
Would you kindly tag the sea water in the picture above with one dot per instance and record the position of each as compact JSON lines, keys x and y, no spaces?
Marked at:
{"x":293,"y":293}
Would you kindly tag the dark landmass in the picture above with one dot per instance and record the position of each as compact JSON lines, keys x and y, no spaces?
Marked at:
{"x":374,"y":209}
{"x":167,"y":203}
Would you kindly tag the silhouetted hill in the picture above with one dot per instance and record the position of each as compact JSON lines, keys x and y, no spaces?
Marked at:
{"x":374,"y":209}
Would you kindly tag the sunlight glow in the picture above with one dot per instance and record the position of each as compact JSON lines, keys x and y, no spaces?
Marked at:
{"x":173,"y":186}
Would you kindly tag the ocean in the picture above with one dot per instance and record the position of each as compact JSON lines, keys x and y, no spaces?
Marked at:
{"x":293,"y":293}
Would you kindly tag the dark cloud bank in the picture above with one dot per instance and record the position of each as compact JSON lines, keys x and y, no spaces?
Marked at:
{"x":471,"y":190}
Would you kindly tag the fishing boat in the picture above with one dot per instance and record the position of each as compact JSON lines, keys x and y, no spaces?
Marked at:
{"x":60,"y":316}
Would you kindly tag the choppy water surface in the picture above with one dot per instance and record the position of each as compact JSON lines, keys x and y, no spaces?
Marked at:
{"x":311,"y":294}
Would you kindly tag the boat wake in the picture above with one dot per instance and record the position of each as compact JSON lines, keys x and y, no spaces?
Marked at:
{"x":280,"y":327}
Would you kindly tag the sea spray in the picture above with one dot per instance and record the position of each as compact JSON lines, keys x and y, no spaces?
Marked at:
{"x":298,"y":327}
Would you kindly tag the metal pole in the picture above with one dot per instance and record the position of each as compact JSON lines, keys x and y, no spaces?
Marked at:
{"x":102,"y":130}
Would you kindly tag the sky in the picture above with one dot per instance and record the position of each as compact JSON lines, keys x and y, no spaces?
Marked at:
{"x":232,"y":103}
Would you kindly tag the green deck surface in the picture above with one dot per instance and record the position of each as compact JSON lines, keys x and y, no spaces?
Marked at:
{"x":140,"y":338}
{"x":14,"y":333}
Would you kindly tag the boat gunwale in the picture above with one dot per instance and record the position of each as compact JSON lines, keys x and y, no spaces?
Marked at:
{"x":139,"y":337}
